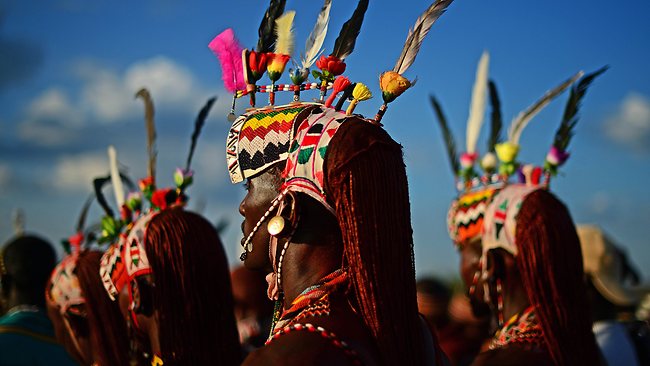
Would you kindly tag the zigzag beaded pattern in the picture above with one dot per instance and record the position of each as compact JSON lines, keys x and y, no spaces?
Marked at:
{"x":259,"y":139}
{"x":349,"y":352}
{"x":466,"y":215}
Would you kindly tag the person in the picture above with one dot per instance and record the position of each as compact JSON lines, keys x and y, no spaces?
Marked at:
{"x":181,"y":294}
{"x":472,"y":332}
{"x":26,"y":334}
{"x":176,"y":297}
{"x":84,"y":320}
{"x":253,"y":309}
{"x":533,"y":277}
{"x":612,"y":285}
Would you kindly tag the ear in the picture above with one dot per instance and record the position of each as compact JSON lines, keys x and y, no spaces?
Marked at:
{"x":290,"y":207}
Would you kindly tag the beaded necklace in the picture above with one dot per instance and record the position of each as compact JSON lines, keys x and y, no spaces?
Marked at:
{"x":312,"y":302}
{"x":521,"y":328}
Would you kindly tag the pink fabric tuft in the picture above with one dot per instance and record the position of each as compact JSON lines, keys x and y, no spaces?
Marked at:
{"x":228,"y":50}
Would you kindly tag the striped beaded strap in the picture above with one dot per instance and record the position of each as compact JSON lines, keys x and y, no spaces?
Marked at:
{"x":281,"y":87}
{"x":338,"y":343}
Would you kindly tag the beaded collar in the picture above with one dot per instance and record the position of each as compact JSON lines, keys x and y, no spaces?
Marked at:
{"x":521,"y":328}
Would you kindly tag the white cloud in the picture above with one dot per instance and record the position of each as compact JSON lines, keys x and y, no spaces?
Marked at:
{"x":75,"y":172}
{"x":50,"y":119}
{"x":630,"y":125}
{"x":107,"y":96}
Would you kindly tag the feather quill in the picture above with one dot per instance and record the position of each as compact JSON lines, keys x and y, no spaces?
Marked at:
{"x":198,"y":125}
{"x":98,"y":184}
{"x":284,"y":42}
{"x":416,"y":35}
{"x":81,"y":221}
{"x":344,"y":44}
{"x":570,"y":118}
{"x":267,"y":27}
{"x":450,"y":143}
{"x":523,"y":118}
{"x":316,"y":37}
{"x":151,"y":130}
{"x":496,"y":122}
{"x":228,"y":50}
{"x":477,"y":105}
{"x":116,"y":180}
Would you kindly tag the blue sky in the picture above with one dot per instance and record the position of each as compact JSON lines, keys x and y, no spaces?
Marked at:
{"x":69,"y":69}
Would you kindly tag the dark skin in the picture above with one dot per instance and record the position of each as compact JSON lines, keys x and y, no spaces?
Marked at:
{"x":315,"y":251}
{"x":67,"y":336}
{"x":515,"y":301}
{"x":146,"y":334}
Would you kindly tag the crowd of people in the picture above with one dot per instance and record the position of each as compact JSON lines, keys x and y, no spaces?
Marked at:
{"x":328,"y":275}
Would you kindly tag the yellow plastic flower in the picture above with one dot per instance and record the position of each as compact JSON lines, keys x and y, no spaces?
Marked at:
{"x":392,"y":85}
{"x":507,"y":152}
{"x":359,"y":93}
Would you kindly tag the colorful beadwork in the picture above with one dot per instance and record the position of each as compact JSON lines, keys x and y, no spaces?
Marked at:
{"x":465,"y":216}
{"x":521,"y":328}
{"x":112,"y":269}
{"x":259,"y":139}
{"x":338,"y":343}
{"x":304,"y":171}
{"x":64,"y":289}
{"x":135,"y":255}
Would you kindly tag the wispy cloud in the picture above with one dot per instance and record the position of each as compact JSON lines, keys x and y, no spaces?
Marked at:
{"x":630,"y":125}
{"x":74,"y":172}
{"x":105,"y":96}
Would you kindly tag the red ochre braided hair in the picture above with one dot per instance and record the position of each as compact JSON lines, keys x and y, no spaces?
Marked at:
{"x":550,"y":265}
{"x":366,"y":184}
{"x":108,"y":335}
{"x":192,"y":295}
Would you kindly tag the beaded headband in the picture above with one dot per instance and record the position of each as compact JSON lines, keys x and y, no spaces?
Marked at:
{"x":465,"y":216}
{"x":63,"y":289}
{"x":310,"y":136}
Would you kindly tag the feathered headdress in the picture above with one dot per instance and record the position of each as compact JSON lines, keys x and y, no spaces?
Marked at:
{"x":229,"y":53}
{"x":558,"y":153}
{"x":392,"y":83}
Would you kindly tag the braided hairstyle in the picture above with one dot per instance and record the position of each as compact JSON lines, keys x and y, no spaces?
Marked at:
{"x":192,"y":295}
{"x":550,"y":265}
{"x":108,"y":335}
{"x":367,"y":185}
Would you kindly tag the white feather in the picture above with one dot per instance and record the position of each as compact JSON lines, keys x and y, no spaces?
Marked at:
{"x":523,"y":118}
{"x":116,"y":181}
{"x":317,"y":37}
{"x":477,"y":106}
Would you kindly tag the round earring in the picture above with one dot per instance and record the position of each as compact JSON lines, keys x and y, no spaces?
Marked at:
{"x":276,"y":225}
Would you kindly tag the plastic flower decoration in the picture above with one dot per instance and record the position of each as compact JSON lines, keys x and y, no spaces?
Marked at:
{"x":393,"y":85}
{"x":359,"y":94}
{"x":340,"y":84}
{"x":276,"y":65}
{"x":183,"y":178}
{"x":507,"y":153}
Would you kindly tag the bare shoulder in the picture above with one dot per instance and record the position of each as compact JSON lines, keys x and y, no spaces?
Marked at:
{"x":299,"y":348}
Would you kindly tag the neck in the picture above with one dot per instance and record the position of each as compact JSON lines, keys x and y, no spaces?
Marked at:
{"x":18,"y":298}
{"x":154,"y":340}
{"x":305,"y":264}
{"x":515,"y":300}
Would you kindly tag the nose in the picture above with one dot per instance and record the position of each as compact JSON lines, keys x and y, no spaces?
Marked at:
{"x":242,"y":209}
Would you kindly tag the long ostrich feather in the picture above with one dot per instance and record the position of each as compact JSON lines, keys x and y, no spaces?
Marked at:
{"x":477,"y":106}
{"x":450,"y":143}
{"x":81,"y":221}
{"x":267,"y":27}
{"x":496,"y":122}
{"x":317,"y":36}
{"x":416,"y":35}
{"x":570,"y":118}
{"x":523,"y":118}
{"x":284,"y":42}
{"x":228,"y":50}
{"x":116,"y":180}
{"x":151,"y":130}
{"x":198,"y":126}
{"x":344,"y":44}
